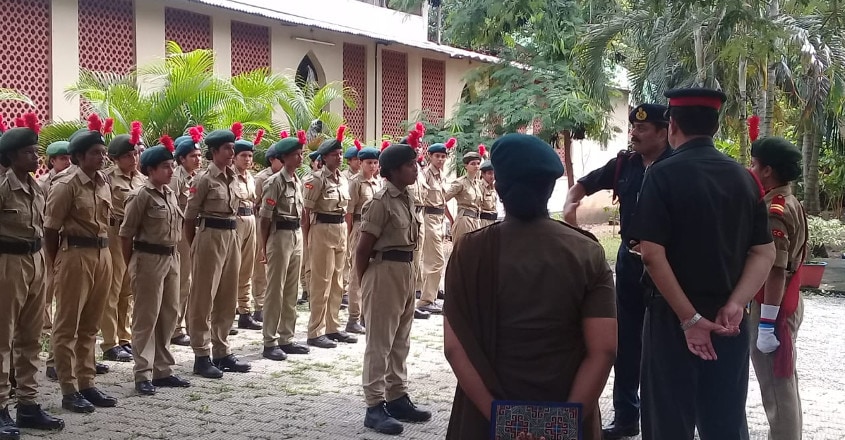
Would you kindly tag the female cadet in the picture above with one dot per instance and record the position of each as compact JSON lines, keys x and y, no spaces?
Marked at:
{"x":468,"y":193}
{"x":489,"y":199}
{"x":259,"y":273}
{"x":245,"y":190}
{"x":150,"y":233}
{"x":305,"y":276}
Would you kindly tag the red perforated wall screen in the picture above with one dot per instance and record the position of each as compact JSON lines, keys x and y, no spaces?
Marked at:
{"x":106,"y":35}
{"x":250,"y":47}
{"x":394,"y":92}
{"x":190,"y":30}
{"x":355,"y":76}
{"x":25,"y":55}
{"x":434,"y":89}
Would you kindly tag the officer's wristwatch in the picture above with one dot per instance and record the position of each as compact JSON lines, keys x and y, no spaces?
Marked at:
{"x":692,"y":321}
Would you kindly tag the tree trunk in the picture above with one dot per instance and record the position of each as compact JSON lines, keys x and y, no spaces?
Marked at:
{"x":812,"y":201}
{"x":566,"y":136}
{"x":767,"y":123}
{"x":440,"y":24}
{"x":743,"y":110}
{"x":700,"y":69}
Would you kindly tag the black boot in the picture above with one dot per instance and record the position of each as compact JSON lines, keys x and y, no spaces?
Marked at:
{"x":379,"y":419}
{"x":33,"y":417}
{"x":246,"y":322}
{"x":98,"y":398}
{"x":258,"y":315}
{"x":618,"y":430}
{"x":342,"y":337}
{"x":75,"y":402}
{"x":303,"y":299}
{"x":204,"y":368}
{"x":145,"y":388}
{"x":231,"y":363}
{"x":101,"y":368}
{"x":8,"y":429}
{"x":183,"y":340}
{"x":274,"y":353}
{"x":405,"y":410}
{"x":353,"y":326}
{"x":51,"y":373}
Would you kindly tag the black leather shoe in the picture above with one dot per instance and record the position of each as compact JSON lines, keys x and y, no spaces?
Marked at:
{"x":246,"y":322}
{"x":101,"y":368}
{"x":51,"y":373}
{"x":8,"y":429}
{"x":303,"y":299}
{"x":379,"y":420}
{"x":145,"y":388}
{"x":233,"y":331}
{"x":76,"y":402}
{"x":616,"y":431}
{"x":294,"y":348}
{"x":355,"y":327}
{"x":274,"y":353}
{"x":33,"y":417}
{"x":98,"y":398}
{"x":441,"y":294}
{"x":405,"y":410}
{"x":419,"y":314}
{"x":322,"y":342}
{"x":204,"y":368}
{"x":432,"y":308}
{"x":171,"y":382}
{"x":342,"y":337}
{"x":183,"y":340}
{"x":418,"y":294}
{"x":127,"y":348}
{"x":258,"y":315}
{"x":231,"y":363}
{"x":117,"y":354}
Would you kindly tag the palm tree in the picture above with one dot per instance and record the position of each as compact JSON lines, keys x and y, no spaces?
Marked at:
{"x":306,"y":108}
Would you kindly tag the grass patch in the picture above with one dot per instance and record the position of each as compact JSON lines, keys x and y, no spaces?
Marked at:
{"x":610,"y":243}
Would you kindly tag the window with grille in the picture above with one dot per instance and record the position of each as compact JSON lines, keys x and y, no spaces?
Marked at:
{"x":250,"y":47}
{"x":355,"y":77}
{"x":191,"y":31}
{"x":394,"y":92}
{"x":25,"y":56}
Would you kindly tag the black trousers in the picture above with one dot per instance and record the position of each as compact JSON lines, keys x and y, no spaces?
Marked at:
{"x":681,"y":391}
{"x":630,"y":312}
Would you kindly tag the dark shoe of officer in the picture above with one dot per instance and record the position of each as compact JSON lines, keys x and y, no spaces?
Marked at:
{"x":344,"y":302}
{"x":12,"y":382}
{"x":233,"y":331}
{"x":101,"y":368}
{"x":405,"y":410}
{"x":353,"y":326}
{"x":379,"y":419}
{"x":432,"y":308}
{"x":204,"y":368}
{"x":51,"y":373}
{"x":8,"y":429}
{"x":117,"y":354}
{"x":616,"y":430}
{"x":232,"y":364}
{"x":145,"y":388}
{"x":342,"y":337}
{"x":303,"y":299}
{"x":421,"y":314}
{"x":127,"y":347}
{"x":246,"y":322}
{"x":418,"y":294}
{"x":33,"y":417}
{"x":294,"y":348}
{"x":258,"y":315}
{"x":322,"y":342}
{"x":171,"y":382}
{"x":274,"y":353}
{"x":441,"y":294}
{"x":76,"y":402}
{"x":98,"y":398}
{"x":183,"y":340}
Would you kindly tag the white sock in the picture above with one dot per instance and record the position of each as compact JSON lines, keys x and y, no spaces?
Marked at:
{"x":767,"y":341}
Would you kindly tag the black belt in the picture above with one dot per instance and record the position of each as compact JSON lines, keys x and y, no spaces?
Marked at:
{"x":489,"y":216}
{"x":433,"y":210}
{"x":288,"y":225}
{"x":114,"y":221}
{"x":329,"y":218}
{"x":469,"y":213}
{"x":23,"y":247}
{"x":150,"y":248}
{"x":243,"y":212}
{"x":219,"y":223}
{"x":400,"y":256}
{"x":356,"y":217}
{"x":88,"y":242}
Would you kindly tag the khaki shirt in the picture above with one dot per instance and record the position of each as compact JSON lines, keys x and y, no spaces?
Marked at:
{"x":467,"y":192}
{"x":390,"y":217}
{"x":181,"y":185}
{"x":245,"y":190}
{"x":348,"y":174}
{"x":46,"y":181}
{"x":282,"y":197}
{"x":361,"y":191}
{"x":434,"y":187}
{"x":326,"y":192}
{"x":121,"y":185}
{"x":152,"y":216}
{"x":21,"y":208}
{"x":260,"y":179}
{"x":489,"y":198}
{"x":212,"y":194}
{"x":418,"y":191}
{"x":789,"y":227}
{"x":78,"y":206}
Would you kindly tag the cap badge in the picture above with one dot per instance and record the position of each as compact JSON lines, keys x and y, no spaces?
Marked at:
{"x":641,"y":115}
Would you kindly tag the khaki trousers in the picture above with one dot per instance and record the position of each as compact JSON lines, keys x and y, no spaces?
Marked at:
{"x":354,"y":290}
{"x":246,"y":246}
{"x":214,"y":290}
{"x":464,"y":225}
{"x":284,"y":261}
{"x":781,"y":399}
{"x":259,"y":273}
{"x":482,"y":223}
{"x":433,"y":258}
{"x":156,"y":279}
{"x":185,"y":261}
{"x":418,"y":267}
{"x":389,"y":313}
{"x":48,"y":309}
{"x":21,"y":321}
{"x":328,"y":250}
{"x":82,"y":279}
{"x":114,"y":324}
{"x":305,"y":275}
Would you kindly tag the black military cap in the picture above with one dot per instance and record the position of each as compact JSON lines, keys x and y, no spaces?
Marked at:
{"x":219,"y":137}
{"x":778,"y":153}
{"x":654,"y":113}
{"x":330,"y":145}
{"x":81,"y":142}
{"x":17,"y":138}
{"x":153,"y":156}
{"x":696,"y":97}
{"x":486,"y":166}
{"x":120,"y":145}
{"x":395,"y":156}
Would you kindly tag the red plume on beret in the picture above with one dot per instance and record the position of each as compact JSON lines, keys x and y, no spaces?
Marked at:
{"x":420,"y":127}
{"x":19,"y":122}
{"x":357,"y":145}
{"x":384,"y":145}
{"x":108,"y":126}
{"x":95,"y":123}
{"x":258,"y":136}
{"x":754,"y":127}
{"x":3,"y":124}
{"x":300,"y":136}
{"x":135,"y":133}
{"x":420,"y":158}
{"x":238,"y":129}
{"x":414,"y":138}
{"x":283,"y":134}
{"x":340,"y":131}
{"x":451,"y":143}
{"x":196,"y":133}
{"x":482,"y":150}
{"x":31,"y":121}
{"x":168,"y":143}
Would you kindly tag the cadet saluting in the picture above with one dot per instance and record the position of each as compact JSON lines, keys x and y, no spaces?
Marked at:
{"x":468,"y":193}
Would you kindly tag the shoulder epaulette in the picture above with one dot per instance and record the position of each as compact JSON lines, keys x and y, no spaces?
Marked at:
{"x":778,"y":205}
{"x":580,"y":231}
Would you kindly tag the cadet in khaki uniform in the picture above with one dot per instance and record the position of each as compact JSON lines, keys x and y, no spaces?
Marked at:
{"x":189,"y":156}
{"x":78,"y":207}
{"x":362,"y":187}
{"x":326,"y":196}
{"x":777,"y":310}
{"x":489,"y":198}
{"x":353,"y":168}
{"x":259,"y":274}
{"x":123,"y":178}
{"x":305,"y":276}
{"x":149,"y":235}
{"x":21,"y":230}
{"x":281,"y":249}
{"x":433,"y":257}
{"x":245,"y":191}
{"x":467,"y":191}
{"x":216,"y":259}
{"x":384,"y":264}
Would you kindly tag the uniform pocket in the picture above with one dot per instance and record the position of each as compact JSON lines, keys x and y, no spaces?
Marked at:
{"x":157,"y":211}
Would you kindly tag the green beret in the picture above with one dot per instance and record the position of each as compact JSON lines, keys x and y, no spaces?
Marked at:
{"x":242,"y":145}
{"x":120,"y":145}
{"x":182,"y":138}
{"x":328,"y":146}
{"x":470,"y":156}
{"x":520,"y":156}
{"x":395,"y":156}
{"x":219,"y":137}
{"x":77,"y":133}
{"x":17,"y":138}
{"x":653,"y":113}
{"x":486,"y":166}
{"x":775,"y":152}
{"x":80,"y":142}
{"x":437,"y":148}
{"x":351,"y":153}
{"x":184,"y":146}
{"x":58,"y":148}
{"x":153,"y":156}
{"x":287,"y":145}
{"x":314,"y":156}
{"x":368,"y":153}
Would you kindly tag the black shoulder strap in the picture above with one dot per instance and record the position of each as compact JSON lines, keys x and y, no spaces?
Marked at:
{"x":621,"y":159}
